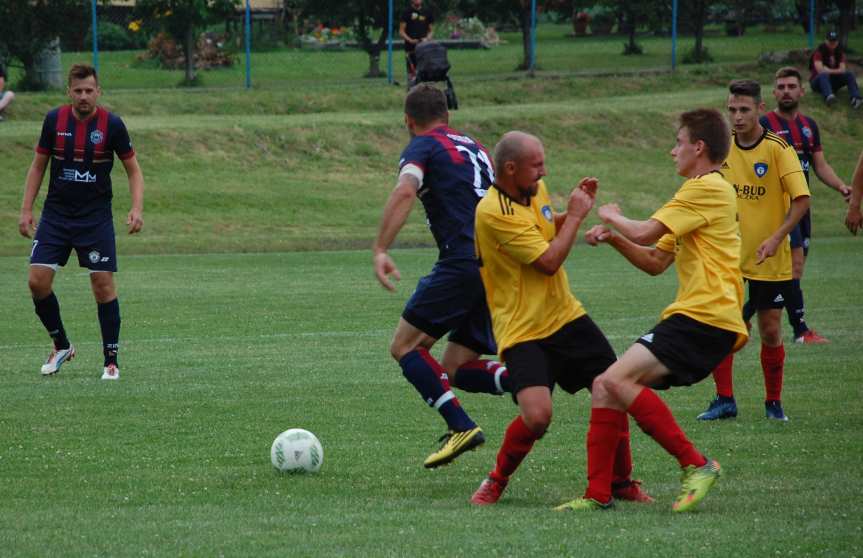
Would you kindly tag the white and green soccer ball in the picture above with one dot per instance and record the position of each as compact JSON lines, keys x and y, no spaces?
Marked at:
{"x":297,"y":451}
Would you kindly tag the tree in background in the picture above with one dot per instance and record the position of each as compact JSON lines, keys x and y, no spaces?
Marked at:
{"x":27,"y":27}
{"x":182,"y":19}
{"x":366,"y":17}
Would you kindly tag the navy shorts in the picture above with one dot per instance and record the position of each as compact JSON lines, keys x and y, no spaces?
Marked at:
{"x":802,"y":233}
{"x":452,"y":299}
{"x":688,"y":348}
{"x":571,"y":357}
{"x":93,"y":242}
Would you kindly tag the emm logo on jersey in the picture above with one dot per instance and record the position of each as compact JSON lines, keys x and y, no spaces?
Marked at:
{"x":72,"y":175}
{"x":760,"y":169}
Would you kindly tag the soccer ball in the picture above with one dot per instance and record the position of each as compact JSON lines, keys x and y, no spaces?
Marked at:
{"x":297,"y":451}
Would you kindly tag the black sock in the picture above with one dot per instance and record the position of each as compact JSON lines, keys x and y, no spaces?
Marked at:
{"x":48,"y":310}
{"x":794,"y":307}
{"x":109,"y":322}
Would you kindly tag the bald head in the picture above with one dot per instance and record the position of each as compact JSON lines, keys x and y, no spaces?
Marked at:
{"x":513,"y":146}
{"x":519,"y":162}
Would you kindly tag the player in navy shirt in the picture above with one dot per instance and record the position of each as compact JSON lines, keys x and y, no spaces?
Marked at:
{"x":449,"y":172}
{"x":802,"y":133}
{"x":80,"y":141}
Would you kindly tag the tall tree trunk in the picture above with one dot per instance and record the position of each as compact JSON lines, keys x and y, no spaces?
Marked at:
{"x":189,"y":48}
{"x":524,"y":23}
{"x":700,"y":15}
{"x":846,"y":20}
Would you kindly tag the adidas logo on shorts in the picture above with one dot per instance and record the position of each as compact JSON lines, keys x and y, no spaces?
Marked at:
{"x":779,"y":298}
{"x":648,"y":337}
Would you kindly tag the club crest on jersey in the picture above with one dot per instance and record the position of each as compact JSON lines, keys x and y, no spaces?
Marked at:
{"x":94,"y":256}
{"x":546,"y":212}
{"x":96,"y":137}
{"x":760,"y":169}
{"x":807,"y":131}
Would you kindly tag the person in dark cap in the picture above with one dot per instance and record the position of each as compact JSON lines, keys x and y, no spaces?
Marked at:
{"x":829,"y":72}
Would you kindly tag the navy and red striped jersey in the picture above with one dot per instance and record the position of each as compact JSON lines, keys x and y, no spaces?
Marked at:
{"x":801,"y":134}
{"x":82,"y":156}
{"x":457,"y":172}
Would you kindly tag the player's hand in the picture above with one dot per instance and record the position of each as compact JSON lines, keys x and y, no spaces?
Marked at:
{"x":597,"y":234}
{"x":580,"y":204}
{"x":589,"y":185}
{"x":853,"y":220}
{"x":846,"y":193}
{"x":25,"y":224}
{"x":608,"y":211}
{"x":766,"y":250}
{"x":135,"y":221}
{"x":384,"y":268}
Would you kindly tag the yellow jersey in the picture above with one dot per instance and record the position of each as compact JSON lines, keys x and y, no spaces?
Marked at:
{"x":705,"y":239}
{"x":766,"y":177}
{"x":525,"y":304}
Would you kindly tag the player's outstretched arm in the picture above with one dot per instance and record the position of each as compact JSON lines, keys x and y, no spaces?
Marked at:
{"x":32,"y":183}
{"x":828,"y":176}
{"x":643,"y":233}
{"x":854,"y":218}
{"x":135,"y":219}
{"x":799,"y":207}
{"x":651,"y":260}
{"x":396,"y":212}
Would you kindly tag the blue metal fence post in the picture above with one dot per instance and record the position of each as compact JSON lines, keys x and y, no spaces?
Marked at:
{"x":390,"y":42}
{"x":95,"y":38}
{"x":248,"y":44}
{"x":532,"y":61}
{"x":811,"y":24}
{"x":674,"y":35}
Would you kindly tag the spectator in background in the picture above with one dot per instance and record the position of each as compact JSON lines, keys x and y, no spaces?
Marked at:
{"x":853,"y":219}
{"x":5,"y":96}
{"x":415,"y":27}
{"x":829,"y":73}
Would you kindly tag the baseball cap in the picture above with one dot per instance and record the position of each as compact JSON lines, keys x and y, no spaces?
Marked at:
{"x":832,"y":36}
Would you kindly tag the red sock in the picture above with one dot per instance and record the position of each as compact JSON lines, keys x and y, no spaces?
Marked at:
{"x":517,"y":442}
{"x":773,"y":365}
{"x":655,"y":419}
{"x":603,"y":439}
{"x":723,"y":378}
{"x":623,"y":455}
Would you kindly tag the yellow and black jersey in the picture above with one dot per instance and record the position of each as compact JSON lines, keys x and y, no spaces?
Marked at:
{"x":766,"y":177}
{"x":525,"y":304}
{"x":702,"y":218}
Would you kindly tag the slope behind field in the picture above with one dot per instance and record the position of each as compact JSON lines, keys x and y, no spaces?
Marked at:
{"x":268,"y":182}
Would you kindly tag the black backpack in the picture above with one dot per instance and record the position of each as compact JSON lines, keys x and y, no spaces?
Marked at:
{"x":432,"y":63}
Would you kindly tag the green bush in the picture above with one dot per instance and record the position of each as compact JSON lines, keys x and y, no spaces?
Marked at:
{"x":116,"y":37}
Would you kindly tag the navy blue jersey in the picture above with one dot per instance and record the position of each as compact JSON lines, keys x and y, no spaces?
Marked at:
{"x":457,"y":172}
{"x":801,"y":133}
{"x":82,"y":156}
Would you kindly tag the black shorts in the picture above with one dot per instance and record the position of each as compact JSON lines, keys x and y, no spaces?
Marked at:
{"x":688,"y":348}
{"x":802,"y":233}
{"x":571,"y":357}
{"x":452,"y":299}
{"x":93,"y":243}
{"x":768,"y":295}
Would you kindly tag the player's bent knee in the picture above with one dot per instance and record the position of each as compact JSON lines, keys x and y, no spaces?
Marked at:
{"x":537,"y":419}
{"x":600,"y":391}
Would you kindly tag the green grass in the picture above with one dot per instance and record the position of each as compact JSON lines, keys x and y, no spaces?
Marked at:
{"x":174,"y":458}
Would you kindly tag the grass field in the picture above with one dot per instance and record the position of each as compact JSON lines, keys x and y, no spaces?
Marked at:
{"x":231,"y":335}
{"x":174,"y":458}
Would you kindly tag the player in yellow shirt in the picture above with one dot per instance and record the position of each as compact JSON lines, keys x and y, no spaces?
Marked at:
{"x":543,"y":333}
{"x":772,"y":196}
{"x":698,"y":229}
